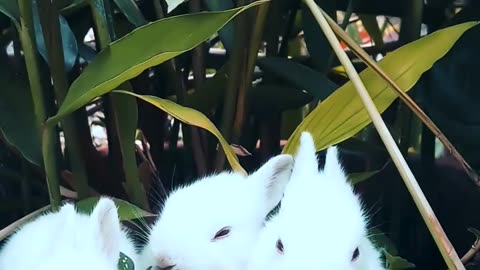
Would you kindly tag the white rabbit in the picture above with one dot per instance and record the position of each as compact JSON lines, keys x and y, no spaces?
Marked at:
{"x":320,"y":224}
{"x":69,"y":240}
{"x":213,"y":223}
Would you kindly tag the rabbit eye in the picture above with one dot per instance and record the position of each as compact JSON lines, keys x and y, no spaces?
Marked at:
{"x":280,"y":246}
{"x":355,"y":254}
{"x":222,"y":233}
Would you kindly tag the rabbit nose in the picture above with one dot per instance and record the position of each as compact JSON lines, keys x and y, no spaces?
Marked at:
{"x":165,"y":263}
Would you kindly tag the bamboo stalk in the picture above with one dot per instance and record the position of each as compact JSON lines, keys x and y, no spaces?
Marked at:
{"x":53,"y":41}
{"x":102,"y":17}
{"x":27,"y":38}
{"x":448,"y":252}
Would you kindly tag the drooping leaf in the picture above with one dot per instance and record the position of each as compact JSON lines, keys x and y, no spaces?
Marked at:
{"x":130,"y":55}
{"x":342,"y":114}
{"x":17,"y":116}
{"x":276,"y":98}
{"x":191,"y":117}
{"x":303,"y":77}
{"x":131,"y":11}
{"x":126,"y":210}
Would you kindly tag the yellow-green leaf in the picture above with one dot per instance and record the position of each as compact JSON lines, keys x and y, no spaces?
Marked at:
{"x":190,"y":117}
{"x":144,"y":47}
{"x":342,"y":114}
{"x":126,"y":210}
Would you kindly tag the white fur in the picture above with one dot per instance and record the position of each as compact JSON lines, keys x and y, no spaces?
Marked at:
{"x":320,"y":222}
{"x":69,"y":240}
{"x":193,"y":214}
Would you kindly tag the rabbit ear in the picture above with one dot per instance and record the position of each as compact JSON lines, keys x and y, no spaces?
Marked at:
{"x":306,"y":158}
{"x":333,"y":168}
{"x":273,"y":177}
{"x":68,"y":210}
{"x":107,"y":227}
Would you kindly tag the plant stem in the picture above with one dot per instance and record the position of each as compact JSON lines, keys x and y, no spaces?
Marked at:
{"x":243,"y":60}
{"x":199,"y":73}
{"x":238,"y":60}
{"x":49,"y":19}
{"x":27,"y":38}
{"x":124,"y":150}
{"x":246,"y":82}
{"x":180,"y":90}
{"x":448,"y":252}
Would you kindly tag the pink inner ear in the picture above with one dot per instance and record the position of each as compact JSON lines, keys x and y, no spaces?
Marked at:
{"x":107,"y":225}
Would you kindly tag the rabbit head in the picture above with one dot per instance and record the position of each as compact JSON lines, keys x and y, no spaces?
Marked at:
{"x":213,"y":223}
{"x":67,"y":239}
{"x":320,"y":224}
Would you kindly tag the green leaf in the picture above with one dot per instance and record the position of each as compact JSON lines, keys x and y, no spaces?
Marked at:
{"x":317,"y":44}
{"x":126,"y":210}
{"x":356,"y":178}
{"x":276,"y":98}
{"x":10,"y":8}
{"x":191,"y":117}
{"x":125,"y":263}
{"x":128,"y":56}
{"x":126,"y":116}
{"x":370,"y":23}
{"x":18,"y":125}
{"x":303,"y":77}
{"x":226,"y":33}
{"x":396,"y":262}
{"x":131,"y":11}
{"x":210,"y":93}
{"x":70,"y":48}
{"x":392,"y":260}
{"x":342,"y":114}
{"x":69,"y":42}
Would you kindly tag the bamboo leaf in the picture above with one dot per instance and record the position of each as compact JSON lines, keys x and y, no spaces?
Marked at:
{"x":10,"y":8}
{"x":356,"y":178}
{"x":396,"y":262}
{"x":130,"y":55}
{"x":191,"y":117}
{"x":69,"y":42}
{"x":226,"y":33}
{"x":342,"y":114}
{"x":131,"y":11}
{"x":126,"y":115}
{"x":303,"y":77}
{"x":20,"y":131}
